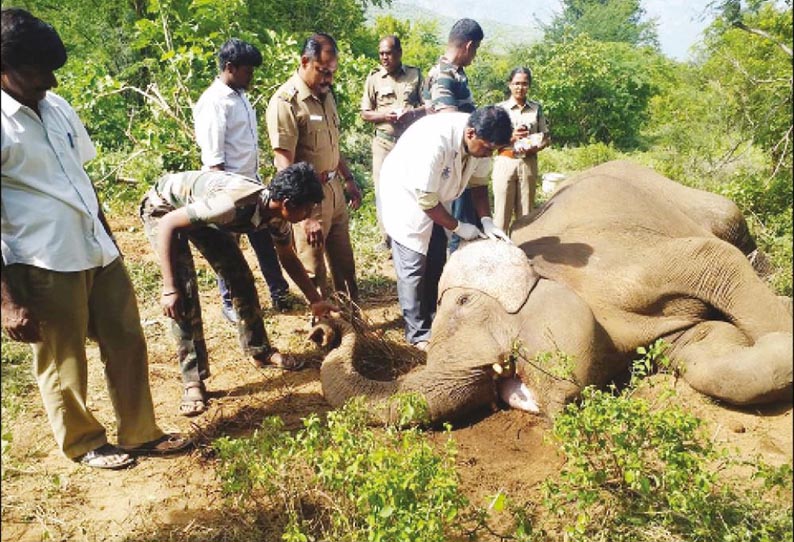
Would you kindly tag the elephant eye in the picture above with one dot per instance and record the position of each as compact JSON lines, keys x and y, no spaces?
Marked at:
{"x":463,"y":299}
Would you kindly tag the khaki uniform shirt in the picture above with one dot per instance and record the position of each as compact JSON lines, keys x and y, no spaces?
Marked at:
{"x":384,"y":92}
{"x":531,"y":115}
{"x":306,"y":126}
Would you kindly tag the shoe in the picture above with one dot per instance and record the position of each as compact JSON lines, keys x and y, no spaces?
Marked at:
{"x":422,"y":345}
{"x":277,"y":360}
{"x":108,"y":457}
{"x":230,"y":314}
{"x":194,"y":401}
{"x":170,"y":443}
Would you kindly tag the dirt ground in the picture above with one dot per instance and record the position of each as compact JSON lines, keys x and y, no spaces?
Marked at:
{"x":46,"y":497}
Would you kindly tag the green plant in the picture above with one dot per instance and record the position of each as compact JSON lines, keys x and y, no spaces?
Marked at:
{"x":642,"y":469}
{"x":341,"y":480}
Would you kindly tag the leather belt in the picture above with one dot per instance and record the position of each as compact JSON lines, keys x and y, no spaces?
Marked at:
{"x":327,"y":176}
{"x":510,"y":153}
{"x":388,"y":137}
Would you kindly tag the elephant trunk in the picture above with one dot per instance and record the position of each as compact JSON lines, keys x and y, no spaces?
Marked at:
{"x":448,"y":393}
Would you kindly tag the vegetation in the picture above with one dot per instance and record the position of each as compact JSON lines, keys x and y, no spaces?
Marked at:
{"x":637,"y":468}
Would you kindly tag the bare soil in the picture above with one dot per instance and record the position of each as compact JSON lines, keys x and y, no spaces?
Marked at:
{"x":47,"y":497}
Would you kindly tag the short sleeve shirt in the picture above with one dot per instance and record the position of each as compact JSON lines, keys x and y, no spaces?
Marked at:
{"x":226,"y":131}
{"x":430,"y":158}
{"x":530,"y":115}
{"x":221,"y":199}
{"x":448,"y":86}
{"x":305,"y":125}
{"x":50,"y":210}
{"x":386,"y":92}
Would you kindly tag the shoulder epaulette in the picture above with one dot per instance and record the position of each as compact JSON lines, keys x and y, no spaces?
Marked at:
{"x":287,"y":94}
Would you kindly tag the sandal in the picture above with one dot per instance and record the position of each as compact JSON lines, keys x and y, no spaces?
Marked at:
{"x":106,"y":456}
{"x":194,"y":402}
{"x":277,"y":360}
{"x":170,"y":443}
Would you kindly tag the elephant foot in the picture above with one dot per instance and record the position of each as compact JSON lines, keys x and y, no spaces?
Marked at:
{"x":517,"y":395}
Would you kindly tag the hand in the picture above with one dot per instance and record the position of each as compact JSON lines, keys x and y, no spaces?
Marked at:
{"x":20,"y":324}
{"x":520,"y":132}
{"x":314,"y":232}
{"x":468,"y":231}
{"x":322,"y":308}
{"x":171,"y":302}
{"x":355,"y":194}
{"x":492,"y":231}
{"x":392,"y":116}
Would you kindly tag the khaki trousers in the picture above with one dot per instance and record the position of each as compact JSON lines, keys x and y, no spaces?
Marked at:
{"x":380,"y":148}
{"x":336,"y":248}
{"x":98,"y":303}
{"x":514,"y":181}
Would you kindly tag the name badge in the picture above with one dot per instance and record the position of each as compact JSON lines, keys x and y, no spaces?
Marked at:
{"x":316,"y":117}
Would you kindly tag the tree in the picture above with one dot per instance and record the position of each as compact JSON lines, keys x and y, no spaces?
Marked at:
{"x":603,"y":20}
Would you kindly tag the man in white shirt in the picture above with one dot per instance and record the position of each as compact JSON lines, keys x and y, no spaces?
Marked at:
{"x":62,"y":278}
{"x":226,"y":132}
{"x":430,"y":166}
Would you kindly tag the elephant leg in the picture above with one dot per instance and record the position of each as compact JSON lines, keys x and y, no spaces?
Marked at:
{"x":717,"y":359}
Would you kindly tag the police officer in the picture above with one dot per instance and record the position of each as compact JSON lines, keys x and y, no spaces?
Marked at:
{"x":392,"y":101}
{"x":303,"y":125}
{"x":515,"y":169}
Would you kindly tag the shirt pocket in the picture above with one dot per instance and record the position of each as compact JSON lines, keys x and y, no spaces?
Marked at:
{"x":385,"y":97}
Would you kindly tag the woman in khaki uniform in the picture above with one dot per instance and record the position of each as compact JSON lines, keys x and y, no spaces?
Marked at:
{"x":515,"y":169}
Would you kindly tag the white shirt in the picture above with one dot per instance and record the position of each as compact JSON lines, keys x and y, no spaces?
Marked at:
{"x":50,"y":211}
{"x":225,"y":125}
{"x":429,"y":157}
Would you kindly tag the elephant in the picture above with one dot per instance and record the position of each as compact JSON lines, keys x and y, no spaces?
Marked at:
{"x":616,"y":259}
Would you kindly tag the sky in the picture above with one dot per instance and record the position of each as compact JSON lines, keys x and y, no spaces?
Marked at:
{"x":680,"y":23}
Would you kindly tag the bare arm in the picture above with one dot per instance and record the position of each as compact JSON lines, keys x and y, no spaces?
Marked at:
{"x":17,"y":320}
{"x":440,"y":216}
{"x":350,"y":183}
{"x":282,"y":159}
{"x":167,"y":228}
{"x":294,"y":268}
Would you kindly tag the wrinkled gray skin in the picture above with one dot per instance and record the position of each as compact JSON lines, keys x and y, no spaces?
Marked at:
{"x":619,"y":257}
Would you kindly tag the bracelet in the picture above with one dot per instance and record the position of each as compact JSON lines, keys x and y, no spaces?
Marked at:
{"x":166,"y":294}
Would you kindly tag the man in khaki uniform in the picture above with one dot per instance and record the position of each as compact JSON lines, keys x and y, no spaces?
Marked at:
{"x":303,"y":126}
{"x":515,"y":169}
{"x":392,"y":101}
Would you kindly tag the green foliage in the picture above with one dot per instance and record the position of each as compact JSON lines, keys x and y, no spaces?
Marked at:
{"x":419,"y":40}
{"x":595,"y":91}
{"x":603,"y":20}
{"x":639,"y":468}
{"x":342,"y":480}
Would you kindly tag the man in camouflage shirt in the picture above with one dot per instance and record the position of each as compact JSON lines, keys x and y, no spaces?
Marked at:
{"x":446,"y":89}
{"x":392,"y":101}
{"x":205,"y":208}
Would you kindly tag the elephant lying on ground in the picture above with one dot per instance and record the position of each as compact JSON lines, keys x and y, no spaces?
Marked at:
{"x":618,"y":258}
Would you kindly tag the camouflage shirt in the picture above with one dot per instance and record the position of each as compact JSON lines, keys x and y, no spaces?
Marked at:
{"x":447,"y":86}
{"x":219,"y":199}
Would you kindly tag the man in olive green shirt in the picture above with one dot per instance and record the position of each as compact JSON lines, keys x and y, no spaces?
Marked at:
{"x":392,"y":101}
{"x":303,"y":125}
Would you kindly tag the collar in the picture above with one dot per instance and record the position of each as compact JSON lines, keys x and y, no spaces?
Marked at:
{"x":512,"y":103}
{"x":9,"y":104}
{"x":303,"y":89}
{"x":400,"y":71}
{"x":226,"y":89}
{"x":445,"y":60}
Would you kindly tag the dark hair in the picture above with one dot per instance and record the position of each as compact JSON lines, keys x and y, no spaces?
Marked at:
{"x":520,"y":69}
{"x":465,"y":30}
{"x":238,"y":53}
{"x":29,"y":41}
{"x":394,"y":40}
{"x":315,"y":44}
{"x":492,"y":124}
{"x":298,"y":183}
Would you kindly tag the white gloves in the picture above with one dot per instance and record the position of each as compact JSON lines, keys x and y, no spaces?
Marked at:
{"x":468,"y":231}
{"x":492,"y":231}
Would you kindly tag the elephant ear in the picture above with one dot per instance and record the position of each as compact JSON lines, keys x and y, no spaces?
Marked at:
{"x":495,"y":268}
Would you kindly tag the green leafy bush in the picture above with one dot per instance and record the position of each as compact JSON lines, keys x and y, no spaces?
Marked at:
{"x":341,"y":480}
{"x":642,"y":469}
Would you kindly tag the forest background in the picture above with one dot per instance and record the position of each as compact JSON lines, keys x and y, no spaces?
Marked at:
{"x":721,"y":122}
